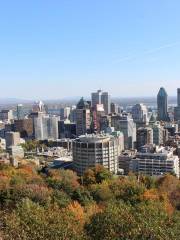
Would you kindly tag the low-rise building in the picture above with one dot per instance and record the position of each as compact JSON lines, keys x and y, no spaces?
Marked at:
{"x":155,"y":163}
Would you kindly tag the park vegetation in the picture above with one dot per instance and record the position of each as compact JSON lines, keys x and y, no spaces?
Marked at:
{"x":56,"y":204}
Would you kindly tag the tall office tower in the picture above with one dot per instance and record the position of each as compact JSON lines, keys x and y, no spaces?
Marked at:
{"x":96,"y":98}
{"x":178,"y":97}
{"x":20,"y":112}
{"x":127,"y":126}
{"x":144,"y":137}
{"x":162,"y":105}
{"x":100,"y":97}
{"x":52,"y":127}
{"x":90,"y":150}
{"x":83,"y":118}
{"x":6,"y":115}
{"x":12,"y":139}
{"x":24,"y":127}
{"x":106,"y":101}
{"x":140,"y":115}
{"x":177,"y":109}
{"x":46,"y":127}
{"x":158,"y":134}
{"x":40,"y":133}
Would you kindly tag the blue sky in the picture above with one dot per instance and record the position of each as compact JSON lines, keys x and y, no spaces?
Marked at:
{"x":61,"y":48}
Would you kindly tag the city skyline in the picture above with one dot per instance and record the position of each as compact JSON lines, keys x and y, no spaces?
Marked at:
{"x":66,"y":48}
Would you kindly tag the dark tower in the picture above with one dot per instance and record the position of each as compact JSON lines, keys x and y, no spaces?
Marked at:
{"x":162,"y":105}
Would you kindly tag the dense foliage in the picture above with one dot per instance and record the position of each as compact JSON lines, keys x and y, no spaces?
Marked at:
{"x":59,"y":205}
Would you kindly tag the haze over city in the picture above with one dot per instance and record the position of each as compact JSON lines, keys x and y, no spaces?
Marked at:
{"x":52,"y":50}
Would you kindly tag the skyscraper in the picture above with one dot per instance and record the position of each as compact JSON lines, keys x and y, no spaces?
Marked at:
{"x":140,"y":115}
{"x":127,"y":126}
{"x":177,"y":109}
{"x":83,"y":118}
{"x":46,"y":127}
{"x":96,"y":98}
{"x":20,"y":112}
{"x":100,"y":97}
{"x":162,"y":105}
{"x":105,"y":100}
{"x":178,"y":97}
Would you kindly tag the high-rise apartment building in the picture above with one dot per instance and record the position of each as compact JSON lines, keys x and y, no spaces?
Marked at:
{"x":162,"y":105}
{"x":126,"y":125}
{"x":144,"y":136}
{"x":158,"y":134}
{"x":140,"y":115}
{"x":83,"y":118}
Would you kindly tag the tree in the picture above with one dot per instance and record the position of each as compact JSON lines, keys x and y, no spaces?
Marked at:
{"x":97,"y":174}
{"x":83,"y":196}
{"x":65,"y":180}
{"x":123,"y":221}
{"x":129,"y":191}
{"x":61,"y":198}
{"x":33,"y":222}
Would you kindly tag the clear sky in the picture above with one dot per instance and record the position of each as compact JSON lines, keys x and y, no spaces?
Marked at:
{"x":62,"y":48}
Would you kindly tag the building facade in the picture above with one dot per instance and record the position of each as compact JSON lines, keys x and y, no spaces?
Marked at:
{"x":177,"y":109}
{"x":162,"y":105}
{"x":83,"y":118}
{"x":140,"y":115}
{"x":100,"y":97}
{"x":144,"y":136}
{"x":157,"y":163}
{"x":126,"y":125}
{"x":90,"y":150}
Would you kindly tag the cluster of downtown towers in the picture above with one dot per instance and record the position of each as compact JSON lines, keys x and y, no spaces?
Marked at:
{"x":90,"y":115}
{"x":99,"y":128}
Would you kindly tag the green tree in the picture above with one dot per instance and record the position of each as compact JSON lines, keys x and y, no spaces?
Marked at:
{"x":33,"y":222}
{"x":97,"y":174}
{"x":122,"y":221}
